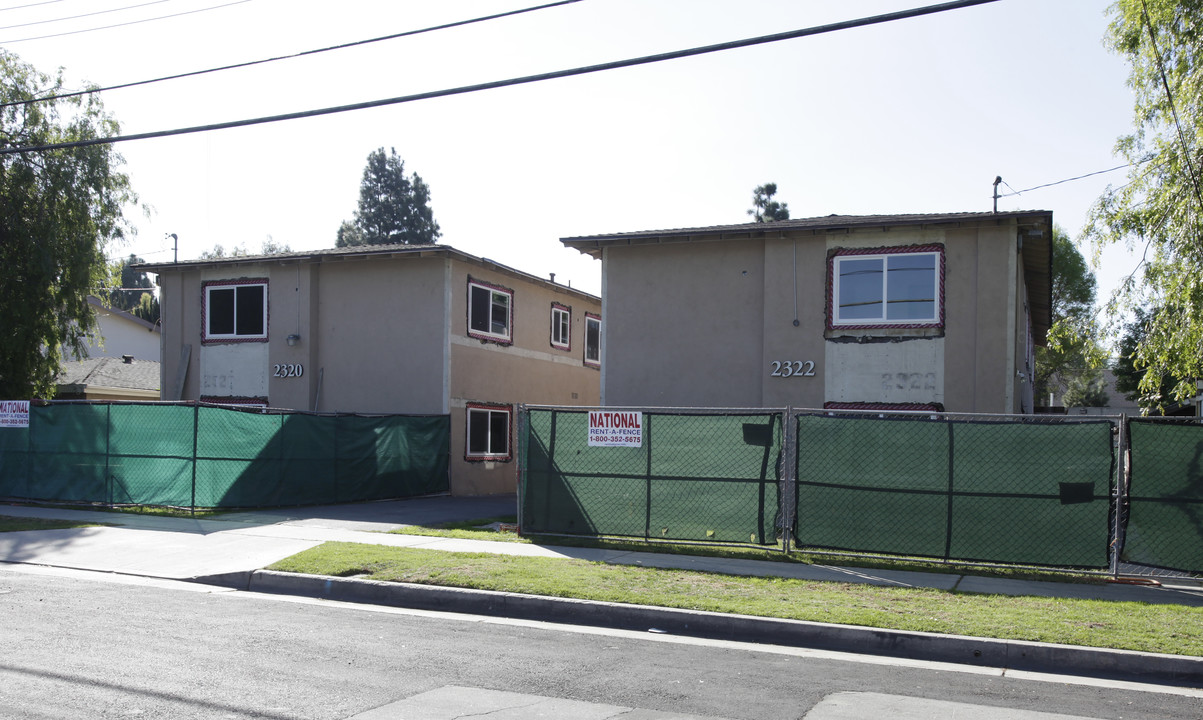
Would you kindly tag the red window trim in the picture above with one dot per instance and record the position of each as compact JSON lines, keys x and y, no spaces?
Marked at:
{"x":585,"y":354}
{"x":568,"y":309}
{"x":205,"y":339}
{"x":239,"y":401}
{"x":888,"y":250}
{"x":509,"y":428}
{"x":923,"y":407}
{"x":509,"y":309}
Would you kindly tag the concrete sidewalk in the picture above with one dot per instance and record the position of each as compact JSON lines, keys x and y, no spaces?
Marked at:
{"x":231,"y":549}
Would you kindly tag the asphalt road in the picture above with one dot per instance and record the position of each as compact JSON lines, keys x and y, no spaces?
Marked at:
{"x":77,"y":647}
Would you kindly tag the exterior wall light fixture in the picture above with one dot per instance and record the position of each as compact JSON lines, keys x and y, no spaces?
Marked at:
{"x":293,"y":339}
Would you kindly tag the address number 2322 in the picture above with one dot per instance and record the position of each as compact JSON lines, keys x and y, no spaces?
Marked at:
{"x":793,"y":368}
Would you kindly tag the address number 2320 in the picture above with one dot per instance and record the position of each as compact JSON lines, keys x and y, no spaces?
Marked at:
{"x":793,"y":368}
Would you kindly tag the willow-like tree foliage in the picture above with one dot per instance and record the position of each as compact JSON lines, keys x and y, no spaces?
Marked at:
{"x":59,"y":209}
{"x":1073,"y":354}
{"x":1158,"y":212}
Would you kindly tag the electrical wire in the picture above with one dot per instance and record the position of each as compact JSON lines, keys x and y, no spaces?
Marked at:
{"x":644,"y":60}
{"x":124,"y":24}
{"x":29,"y":5}
{"x":1080,"y":177}
{"x":76,"y":17}
{"x":343,"y":46}
{"x":1186,"y":153}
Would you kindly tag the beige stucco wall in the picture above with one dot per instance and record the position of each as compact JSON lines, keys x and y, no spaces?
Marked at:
{"x":981,"y":295}
{"x":705,"y":323}
{"x":791,"y":263}
{"x":381,"y":328}
{"x":687,"y":324}
{"x":530,"y":370}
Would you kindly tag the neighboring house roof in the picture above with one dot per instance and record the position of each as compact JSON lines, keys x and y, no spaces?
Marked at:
{"x":348,"y":253}
{"x":1036,"y":226}
{"x":110,"y":376}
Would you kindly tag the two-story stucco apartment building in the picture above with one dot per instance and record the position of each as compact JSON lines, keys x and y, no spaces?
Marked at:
{"x":937,"y":311}
{"x":383,"y":329}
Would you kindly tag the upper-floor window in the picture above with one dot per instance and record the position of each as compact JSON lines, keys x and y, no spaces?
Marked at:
{"x":490,"y":311}
{"x":887,"y":287}
{"x":235,"y":310}
{"x":561,"y":326}
{"x":592,"y":340}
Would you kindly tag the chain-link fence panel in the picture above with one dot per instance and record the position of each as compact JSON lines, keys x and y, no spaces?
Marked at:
{"x":14,"y":462}
{"x":393,"y":456}
{"x":69,"y":452}
{"x":872,"y":484}
{"x":1164,"y":523}
{"x":249,"y":459}
{"x":695,"y":476}
{"x":1032,"y":493}
{"x":923,"y":485}
{"x":237,"y":458}
{"x":150,"y":454}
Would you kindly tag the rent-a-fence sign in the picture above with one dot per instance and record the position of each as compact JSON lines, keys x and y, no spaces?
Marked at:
{"x":14,"y":413}
{"x":610,"y":428}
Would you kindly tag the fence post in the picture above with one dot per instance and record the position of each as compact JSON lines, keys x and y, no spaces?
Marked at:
{"x":108,"y":448}
{"x":523,"y":449}
{"x":789,"y":479}
{"x":647,"y":498}
{"x":195,"y":433}
{"x":1122,"y":488}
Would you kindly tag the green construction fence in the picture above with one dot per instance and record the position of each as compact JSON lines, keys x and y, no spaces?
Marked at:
{"x":196,"y":455}
{"x":701,"y":478}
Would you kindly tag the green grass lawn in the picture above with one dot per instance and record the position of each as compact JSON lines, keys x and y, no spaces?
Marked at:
{"x":1132,"y":626}
{"x":475,"y":530}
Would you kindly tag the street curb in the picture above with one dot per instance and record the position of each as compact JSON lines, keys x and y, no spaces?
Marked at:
{"x":1127,"y":665}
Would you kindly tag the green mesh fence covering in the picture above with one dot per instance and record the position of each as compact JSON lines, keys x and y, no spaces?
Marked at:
{"x":187,"y":456}
{"x":1007,"y":492}
{"x":1164,"y":526}
{"x":709,"y":478}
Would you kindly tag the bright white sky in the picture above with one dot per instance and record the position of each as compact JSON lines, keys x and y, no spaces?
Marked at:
{"x":912,"y":116}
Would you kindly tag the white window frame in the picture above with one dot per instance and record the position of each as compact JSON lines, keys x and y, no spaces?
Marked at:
{"x":935,"y":320}
{"x":561,"y":320}
{"x":591,"y":319}
{"x":489,"y":411}
{"x":495,"y":292}
{"x":233,"y":286}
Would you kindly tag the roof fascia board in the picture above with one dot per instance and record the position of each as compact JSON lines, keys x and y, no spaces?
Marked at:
{"x":392,"y":253}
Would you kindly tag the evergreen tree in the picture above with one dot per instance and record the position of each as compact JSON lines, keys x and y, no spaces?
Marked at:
{"x":764,"y":207}
{"x":393,"y":209}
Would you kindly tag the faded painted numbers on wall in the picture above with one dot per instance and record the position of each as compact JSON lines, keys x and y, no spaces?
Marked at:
{"x":908,"y":382}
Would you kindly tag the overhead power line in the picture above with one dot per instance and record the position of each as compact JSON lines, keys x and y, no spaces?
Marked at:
{"x":29,"y":5}
{"x":1079,"y":177}
{"x":124,"y":24}
{"x":76,"y":17}
{"x":645,"y":60}
{"x":343,"y":46}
